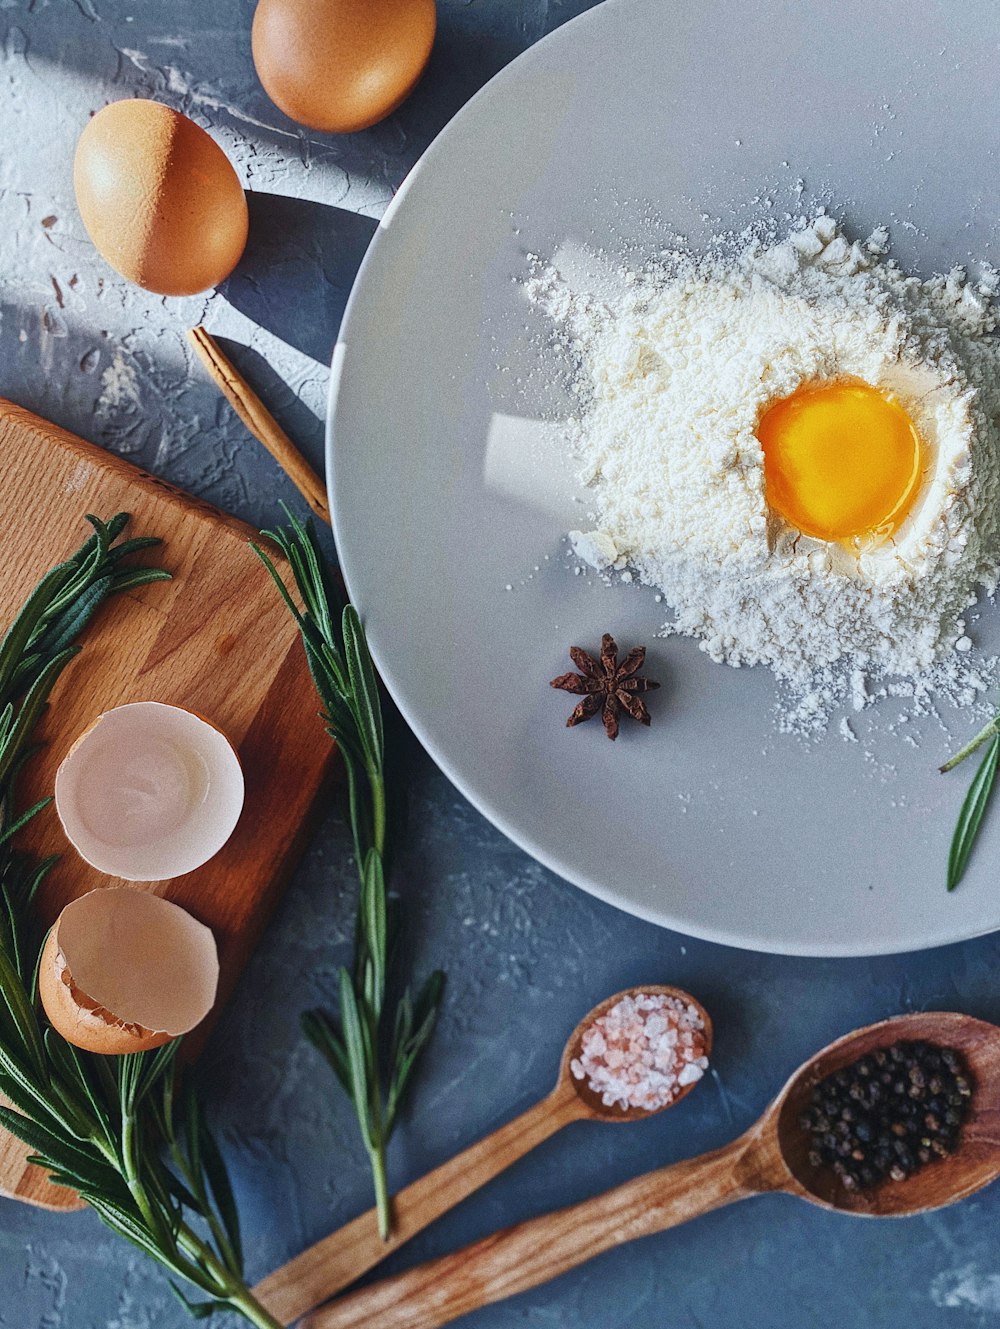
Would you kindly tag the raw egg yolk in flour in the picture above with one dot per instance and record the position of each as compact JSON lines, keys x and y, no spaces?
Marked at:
{"x":842,"y":461}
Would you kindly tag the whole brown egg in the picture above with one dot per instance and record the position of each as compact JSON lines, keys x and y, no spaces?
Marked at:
{"x":159,"y":198}
{"x":341,"y":65}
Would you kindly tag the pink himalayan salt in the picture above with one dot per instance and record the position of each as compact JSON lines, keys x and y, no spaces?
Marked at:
{"x":642,"y":1052}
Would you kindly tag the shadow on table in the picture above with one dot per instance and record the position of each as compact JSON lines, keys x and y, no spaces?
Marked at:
{"x":296,"y":274}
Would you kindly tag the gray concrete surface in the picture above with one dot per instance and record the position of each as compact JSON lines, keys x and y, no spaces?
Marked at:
{"x":527,"y":954}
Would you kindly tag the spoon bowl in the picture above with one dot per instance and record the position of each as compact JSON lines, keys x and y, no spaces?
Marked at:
{"x":591,"y":1106}
{"x":976,"y":1160}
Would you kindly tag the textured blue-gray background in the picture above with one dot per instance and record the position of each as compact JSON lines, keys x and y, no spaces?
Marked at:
{"x":527,"y":954}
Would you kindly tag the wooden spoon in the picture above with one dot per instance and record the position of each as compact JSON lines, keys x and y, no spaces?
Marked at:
{"x":770,"y":1156}
{"x":333,"y":1263}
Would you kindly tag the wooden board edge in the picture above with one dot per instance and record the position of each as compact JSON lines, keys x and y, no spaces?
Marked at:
{"x":36,"y":1189}
{"x":111,"y":461}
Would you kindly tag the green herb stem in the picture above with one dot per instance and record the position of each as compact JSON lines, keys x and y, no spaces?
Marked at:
{"x":985,"y":734}
{"x":131,"y":1172}
{"x":233,"y":1291}
{"x":244,"y":1301}
{"x":377,"y":785}
{"x":196,"y":1182}
{"x":372,"y":1050}
{"x":381,"y":1186}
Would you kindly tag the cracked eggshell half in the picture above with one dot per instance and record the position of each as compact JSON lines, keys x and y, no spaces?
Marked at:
{"x":125,"y":971}
{"x":149,"y":792}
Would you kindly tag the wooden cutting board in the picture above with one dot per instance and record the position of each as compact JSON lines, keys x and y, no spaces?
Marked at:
{"x":216,"y":639}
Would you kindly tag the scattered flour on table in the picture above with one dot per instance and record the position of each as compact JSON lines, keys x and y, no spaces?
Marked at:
{"x":673,"y":368}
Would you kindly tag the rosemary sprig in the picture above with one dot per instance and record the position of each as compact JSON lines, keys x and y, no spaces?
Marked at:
{"x":106,"y":1126}
{"x":976,"y":801}
{"x":371,"y":1053}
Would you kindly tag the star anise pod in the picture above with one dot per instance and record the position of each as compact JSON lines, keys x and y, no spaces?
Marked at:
{"x":607,"y":686}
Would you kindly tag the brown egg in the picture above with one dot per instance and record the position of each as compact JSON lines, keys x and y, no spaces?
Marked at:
{"x":159,"y":198}
{"x":341,"y":65}
{"x":124,"y":971}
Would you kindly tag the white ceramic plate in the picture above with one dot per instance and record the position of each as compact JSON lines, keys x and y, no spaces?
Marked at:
{"x":445,"y":494}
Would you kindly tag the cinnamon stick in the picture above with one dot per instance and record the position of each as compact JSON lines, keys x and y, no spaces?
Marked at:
{"x":259,"y":420}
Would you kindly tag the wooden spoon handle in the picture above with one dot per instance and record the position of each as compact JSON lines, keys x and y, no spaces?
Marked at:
{"x":333,"y":1263}
{"x":530,"y":1253}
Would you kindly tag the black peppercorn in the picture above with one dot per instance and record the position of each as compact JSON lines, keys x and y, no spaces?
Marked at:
{"x":888,"y":1114}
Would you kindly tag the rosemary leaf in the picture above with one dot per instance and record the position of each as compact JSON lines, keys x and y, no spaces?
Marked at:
{"x":31,"y":709}
{"x":217,"y":1176}
{"x":363,"y":685}
{"x":19,"y":633}
{"x":67,"y":627}
{"x":19,"y":822}
{"x":69,"y":1065}
{"x":357,"y":1061}
{"x":180,"y":1192}
{"x":125,"y":548}
{"x":154,"y":1068}
{"x":410,"y":1040}
{"x":56,"y":1151}
{"x":198,"y":1310}
{"x":133,"y":577}
{"x":17,"y":1002}
{"x":35,"y":875}
{"x":325,"y":1037}
{"x":373,"y":932}
{"x":971,"y":815}
{"x":120,"y":1218}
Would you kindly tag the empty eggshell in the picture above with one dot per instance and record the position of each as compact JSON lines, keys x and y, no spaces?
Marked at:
{"x":124,"y":971}
{"x":159,"y":198}
{"x":149,"y":792}
{"x":341,"y":65}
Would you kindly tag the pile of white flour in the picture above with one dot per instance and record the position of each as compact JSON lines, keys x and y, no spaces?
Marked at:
{"x":674,"y":369}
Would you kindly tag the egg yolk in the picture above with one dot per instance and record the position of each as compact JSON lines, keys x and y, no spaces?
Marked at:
{"x":842,"y":461}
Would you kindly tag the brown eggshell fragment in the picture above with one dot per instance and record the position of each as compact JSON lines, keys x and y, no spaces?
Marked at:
{"x":125,"y":971}
{"x":341,"y":65}
{"x":159,"y":198}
